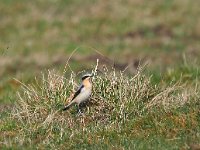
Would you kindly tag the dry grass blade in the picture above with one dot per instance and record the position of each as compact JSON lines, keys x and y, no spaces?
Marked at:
{"x":116,"y":99}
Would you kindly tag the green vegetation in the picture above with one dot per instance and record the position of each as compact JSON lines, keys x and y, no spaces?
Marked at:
{"x":157,"y":108}
{"x":124,"y":112}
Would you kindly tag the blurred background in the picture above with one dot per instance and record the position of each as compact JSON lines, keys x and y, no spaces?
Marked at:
{"x":41,"y":34}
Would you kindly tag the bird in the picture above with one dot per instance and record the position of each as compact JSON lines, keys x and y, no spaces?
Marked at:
{"x":83,"y":93}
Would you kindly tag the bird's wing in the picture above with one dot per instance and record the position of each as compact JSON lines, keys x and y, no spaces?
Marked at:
{"x":78,"y":92}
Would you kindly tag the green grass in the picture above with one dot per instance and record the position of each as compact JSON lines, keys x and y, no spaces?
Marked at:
{"x":124,"y":113}
{"x":36,"y":36}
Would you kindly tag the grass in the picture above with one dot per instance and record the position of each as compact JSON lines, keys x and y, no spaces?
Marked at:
{"x":124,"y":112}
{"x":37,"y":36}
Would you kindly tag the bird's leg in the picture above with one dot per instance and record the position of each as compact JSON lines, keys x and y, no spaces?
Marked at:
{"x":79,"y":108}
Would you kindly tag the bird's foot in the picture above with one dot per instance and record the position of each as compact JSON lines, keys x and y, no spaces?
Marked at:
{"x":80,"y":113}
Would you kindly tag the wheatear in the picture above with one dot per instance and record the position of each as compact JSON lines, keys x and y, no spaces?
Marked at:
{"x":83,"y":93}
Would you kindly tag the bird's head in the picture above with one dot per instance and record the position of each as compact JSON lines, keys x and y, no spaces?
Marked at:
{"x":87,"y":80}
{"x":87,"y":77}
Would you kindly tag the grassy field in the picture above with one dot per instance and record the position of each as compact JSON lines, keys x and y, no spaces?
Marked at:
{"x":154,"y":108}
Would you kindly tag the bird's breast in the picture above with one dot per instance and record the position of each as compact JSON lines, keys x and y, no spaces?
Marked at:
{"x":84,"y":95}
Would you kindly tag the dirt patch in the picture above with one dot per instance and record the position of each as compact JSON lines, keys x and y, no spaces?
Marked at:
{"x":39,"y":60}
{"x":158,"y":30}
{"x":130,"y":65}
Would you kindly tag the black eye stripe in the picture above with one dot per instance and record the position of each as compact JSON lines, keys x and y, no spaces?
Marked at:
{"x":83,"y":78}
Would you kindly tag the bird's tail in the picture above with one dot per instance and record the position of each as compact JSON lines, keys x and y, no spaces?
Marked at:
{"x":68,"y":106}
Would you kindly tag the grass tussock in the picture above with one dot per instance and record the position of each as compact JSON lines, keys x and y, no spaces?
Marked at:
{"x":116,"y":101}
